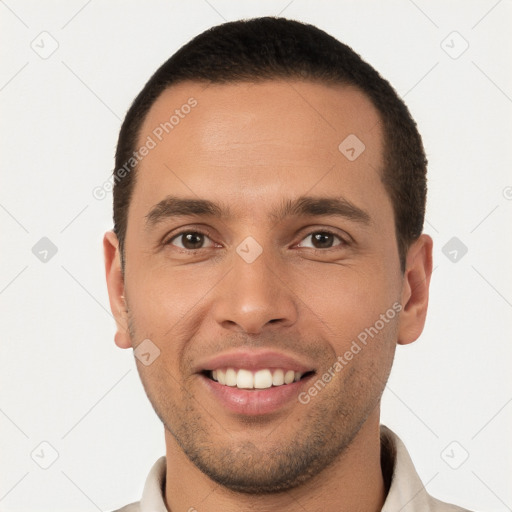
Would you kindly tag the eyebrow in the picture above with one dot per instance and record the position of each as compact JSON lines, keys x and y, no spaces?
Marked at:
{"x":304,"y":206}
{"x":307,"y":206}
{"x":173,"y":206}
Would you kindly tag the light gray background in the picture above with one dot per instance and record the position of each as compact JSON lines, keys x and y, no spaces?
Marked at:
{"x":62,"y":379}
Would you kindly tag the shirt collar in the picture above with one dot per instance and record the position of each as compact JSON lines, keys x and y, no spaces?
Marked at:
{"x":153,"y":494}
{"x":407,"y":492}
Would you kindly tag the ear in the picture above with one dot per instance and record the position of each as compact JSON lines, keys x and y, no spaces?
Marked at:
{"x":115,"y":285}
{"x":415,"y":290}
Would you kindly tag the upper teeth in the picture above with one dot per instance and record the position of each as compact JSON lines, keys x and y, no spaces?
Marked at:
{"x":262,"y":379}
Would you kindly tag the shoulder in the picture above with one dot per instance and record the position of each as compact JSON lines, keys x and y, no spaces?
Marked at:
{"x":406,"y":490}
{"x":132,"y":507}
{"x":440,"y":506}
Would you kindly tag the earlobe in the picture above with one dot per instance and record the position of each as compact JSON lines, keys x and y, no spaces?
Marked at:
{"x":415,"y":291}
{"x":115,"y":285}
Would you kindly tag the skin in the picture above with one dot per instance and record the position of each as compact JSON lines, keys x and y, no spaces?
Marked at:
{"x":250,"y":146}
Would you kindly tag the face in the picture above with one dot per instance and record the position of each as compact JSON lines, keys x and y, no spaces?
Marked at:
{"x":256,"y":253}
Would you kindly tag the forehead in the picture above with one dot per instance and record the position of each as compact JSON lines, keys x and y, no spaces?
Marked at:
{"x":254,"y":140}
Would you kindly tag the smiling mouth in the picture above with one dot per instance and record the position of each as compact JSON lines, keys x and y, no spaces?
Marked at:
{"x":261,"y":379}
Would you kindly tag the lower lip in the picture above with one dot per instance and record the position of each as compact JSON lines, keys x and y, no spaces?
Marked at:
{"x":254,"y":402}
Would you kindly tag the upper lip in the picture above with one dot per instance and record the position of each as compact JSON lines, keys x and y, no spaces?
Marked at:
{"x":253,"y":360}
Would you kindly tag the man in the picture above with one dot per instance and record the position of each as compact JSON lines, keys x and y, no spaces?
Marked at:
{"x":266,"y":259}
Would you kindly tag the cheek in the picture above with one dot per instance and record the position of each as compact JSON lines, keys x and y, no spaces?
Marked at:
{"x":161,"y":297}
{"x":345,"y":301}
{"x":169,"y":307}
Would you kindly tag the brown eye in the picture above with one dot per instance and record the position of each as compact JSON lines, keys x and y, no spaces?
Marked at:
{"x":189,"y":240}
{"x":322,"y":240}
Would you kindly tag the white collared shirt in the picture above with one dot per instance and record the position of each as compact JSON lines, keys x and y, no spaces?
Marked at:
{"x":406,"y":493}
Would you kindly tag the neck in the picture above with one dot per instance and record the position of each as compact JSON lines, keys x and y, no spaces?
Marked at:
{"x":354,"y":481}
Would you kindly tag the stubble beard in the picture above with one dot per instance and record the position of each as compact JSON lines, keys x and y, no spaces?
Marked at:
{"x":329,"y":425}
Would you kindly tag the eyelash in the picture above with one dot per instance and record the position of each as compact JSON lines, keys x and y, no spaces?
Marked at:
{"x":205,"y":232}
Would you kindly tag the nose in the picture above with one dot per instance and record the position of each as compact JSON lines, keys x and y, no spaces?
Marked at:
{"x":255,"y":296}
